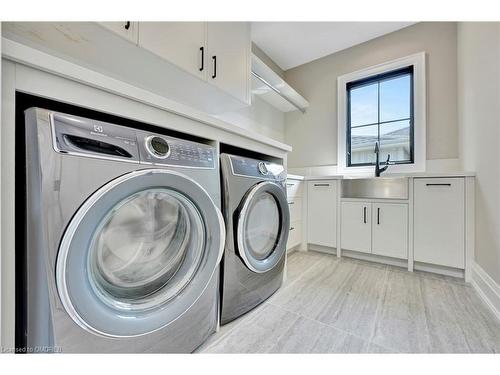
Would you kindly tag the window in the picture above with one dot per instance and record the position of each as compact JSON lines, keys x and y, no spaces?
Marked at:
{"x":380,"y":109}
{"x":384,"y":103}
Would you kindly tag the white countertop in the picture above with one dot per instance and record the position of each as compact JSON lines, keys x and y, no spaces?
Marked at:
{"x":295,"y":177}
{"x":387,"y":175}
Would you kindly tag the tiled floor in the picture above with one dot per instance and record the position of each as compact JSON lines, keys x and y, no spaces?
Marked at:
{"x":329,"y":305}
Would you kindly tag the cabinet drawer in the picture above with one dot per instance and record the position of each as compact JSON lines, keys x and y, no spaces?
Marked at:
{"x":294,"y":188}
{"x":295,"y":207}
{"x":439,"y":221}
{"x":294,"y":235}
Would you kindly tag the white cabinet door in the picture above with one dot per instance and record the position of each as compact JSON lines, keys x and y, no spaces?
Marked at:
{"x":295,"y":235}
{"x":294,"y":188}
{"x":322,"y":213}
{"x":126,"y":29}
{"x":439,"y":220}
{"x":356,"y":226}
{"x":181,"y":43}
{"x":390,"y":230}
{"x":228,"y":59}
{"x":295,"y":207}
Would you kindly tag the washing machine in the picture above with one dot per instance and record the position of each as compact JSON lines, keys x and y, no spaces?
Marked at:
{"x":257,"y":219}
{"x":124,"y":238}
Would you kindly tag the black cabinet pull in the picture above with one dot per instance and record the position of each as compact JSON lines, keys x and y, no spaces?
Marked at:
{"x":378,"y":215}
{"x":127,"y":25}
{"x":214,"y":58}
{"x":437,"y":184}
{"x":202,"y":52}
{"x":291,"y":202}
{"x":288,"y":184}
{"x":321,"y":184}
{"x":292,"y":228}
{"x":364,"y":215}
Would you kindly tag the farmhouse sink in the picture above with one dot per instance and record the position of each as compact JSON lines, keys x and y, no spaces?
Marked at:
{"x":375,"y":188}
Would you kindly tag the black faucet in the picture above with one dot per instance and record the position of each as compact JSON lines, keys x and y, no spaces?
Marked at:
{"x":379,"y":170}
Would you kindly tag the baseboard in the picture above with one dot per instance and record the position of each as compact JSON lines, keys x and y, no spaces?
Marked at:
{"x":322,"y":249}
{"x":403,"y":263}
{"x":487,"y":288}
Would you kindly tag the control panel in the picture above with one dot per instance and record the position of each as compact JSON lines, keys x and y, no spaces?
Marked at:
{"x":161,"y":149}
{"x":85,"y":137}
{"x":248,"y":167}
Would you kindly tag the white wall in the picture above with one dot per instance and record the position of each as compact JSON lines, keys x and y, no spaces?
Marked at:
{"x":479,"y":120}
{"x":313,"y":135}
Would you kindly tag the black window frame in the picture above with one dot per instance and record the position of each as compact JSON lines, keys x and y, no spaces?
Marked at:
{"x":378,"y":78}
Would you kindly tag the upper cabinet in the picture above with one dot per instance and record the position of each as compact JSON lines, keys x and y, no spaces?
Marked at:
{"x":229,"y":51}
{"x":126,"y":29}
{"x":205,"y":65}
{"x":216,"y":52}
{"x":181,"y":43}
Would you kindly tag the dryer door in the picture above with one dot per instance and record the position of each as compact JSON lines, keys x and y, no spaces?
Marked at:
{"x":139,"y":253}
{"x":263,"y":225}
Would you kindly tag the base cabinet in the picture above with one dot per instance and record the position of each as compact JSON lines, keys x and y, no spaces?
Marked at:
{"x":375,"y":228}
{"x":390,"y":230}
{"x":294,"y":189}
{"x":322,"y":213}
{"x":356,"y":226}
{"x":439,"y":221}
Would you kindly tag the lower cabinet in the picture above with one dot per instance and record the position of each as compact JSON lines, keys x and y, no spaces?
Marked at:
{"x":375,"y":228}
{"x":322,"y":213}
{"x":356,"y":226}
{"x":390,"y":230}
{"x":439,"y":221}
{"x":294,"y":189}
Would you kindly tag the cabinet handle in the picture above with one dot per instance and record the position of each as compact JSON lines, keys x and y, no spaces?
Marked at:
{"x":202,"y":52}
{"x":214,"y":58}
{"x":437,"y":184}
{"x":292,"y":228}
{"x":321,"y":184}
{"x":288,"y":184}
{"x":127,"y":25}
{"x":291,"y":202}
{"x":378,"y":215}
{"x":364,"y":215}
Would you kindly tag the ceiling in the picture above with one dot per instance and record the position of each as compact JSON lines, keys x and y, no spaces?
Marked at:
{"x":290,"y":44}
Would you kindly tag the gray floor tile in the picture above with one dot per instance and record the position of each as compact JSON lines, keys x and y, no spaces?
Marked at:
{"x":402,"y":321}
{"x":328,"y":305}
{"x":308,"y":336}
{"x":256,"y":334}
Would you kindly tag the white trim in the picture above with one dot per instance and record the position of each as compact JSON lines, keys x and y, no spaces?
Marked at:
{"x":419,"y":82}
{"x":31,"y":57}
{"x":487,"y":288}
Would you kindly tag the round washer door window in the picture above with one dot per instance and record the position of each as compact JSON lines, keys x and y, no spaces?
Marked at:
{"x":138,"y":253}
{"x":141,"y":245}
{"x":263,"y":227}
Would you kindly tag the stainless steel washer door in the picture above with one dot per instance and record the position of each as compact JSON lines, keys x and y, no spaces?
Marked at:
{"x":263,"y":224}
{"x":138,"y":253}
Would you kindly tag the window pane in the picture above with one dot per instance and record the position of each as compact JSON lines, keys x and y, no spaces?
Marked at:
{"x":363,"y":144}
{"x":364,"y":105}
{"x":395,"y":98}
{"x":395,"y":140}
